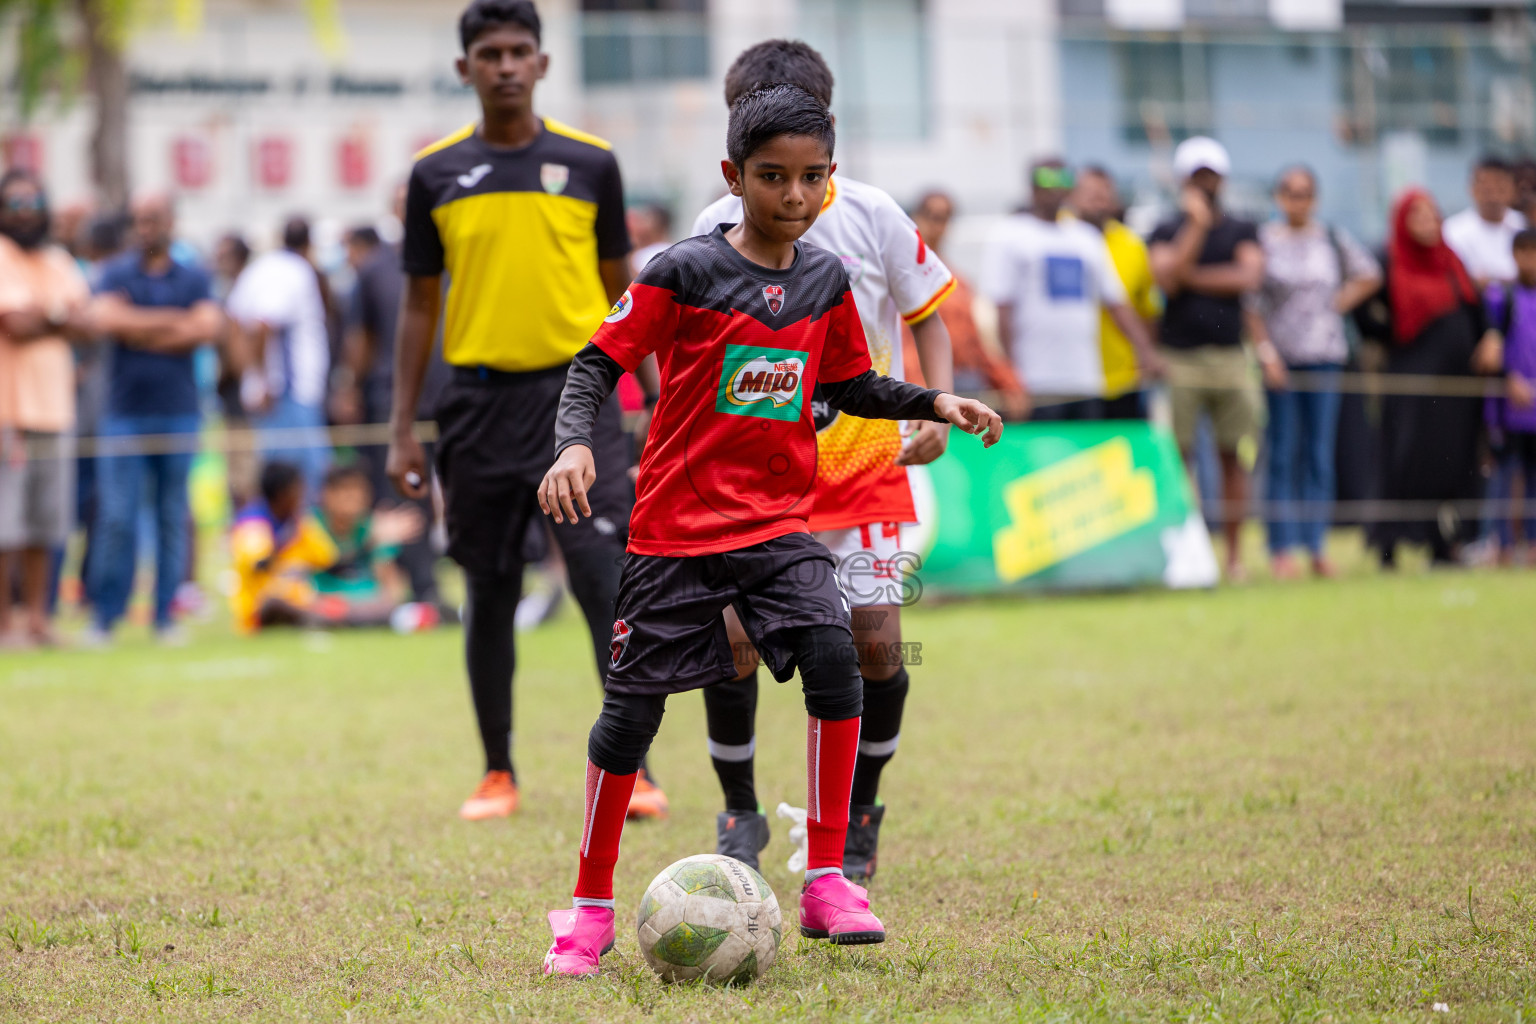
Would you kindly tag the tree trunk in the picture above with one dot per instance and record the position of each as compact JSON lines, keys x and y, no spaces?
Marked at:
{"x":107,"y":80}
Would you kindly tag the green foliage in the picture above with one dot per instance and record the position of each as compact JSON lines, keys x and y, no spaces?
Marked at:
{"x":51,"y":52}
{"x":46,"y":60}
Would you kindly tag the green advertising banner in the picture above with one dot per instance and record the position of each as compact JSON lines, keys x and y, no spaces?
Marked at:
{"x":1066,"y":506}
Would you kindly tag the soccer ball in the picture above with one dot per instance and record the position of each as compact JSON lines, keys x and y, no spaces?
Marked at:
{"x":710,"y":917}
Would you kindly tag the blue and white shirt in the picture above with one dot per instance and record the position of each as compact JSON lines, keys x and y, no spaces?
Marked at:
{"x":1054,"y":276}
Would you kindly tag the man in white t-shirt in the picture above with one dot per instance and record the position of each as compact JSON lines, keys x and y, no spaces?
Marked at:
{"x":862,"y":497}
{"x":280,"y":311}
{"x":1049,"y":275}
{"x":1483,"y":234}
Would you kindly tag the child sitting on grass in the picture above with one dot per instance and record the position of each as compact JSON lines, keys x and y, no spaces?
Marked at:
{"x":363,"y":573}
{"x":320,"y":569}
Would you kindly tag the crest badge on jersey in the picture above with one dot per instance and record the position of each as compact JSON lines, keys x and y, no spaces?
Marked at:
{"x":773,"y":294}
{"x":620,"y":309}
{"x":621,"y":634}
{"x":554,"y":178}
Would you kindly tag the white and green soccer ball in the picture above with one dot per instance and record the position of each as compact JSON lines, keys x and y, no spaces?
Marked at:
{"x":710,"y":917}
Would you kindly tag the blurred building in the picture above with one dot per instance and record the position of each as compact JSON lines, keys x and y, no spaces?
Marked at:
{"x":1374,"y":96}
{"x":248,"y":117}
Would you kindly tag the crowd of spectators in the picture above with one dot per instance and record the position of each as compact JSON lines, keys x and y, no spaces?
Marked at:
{"x":1249,"y":329}
{"x":115,"y":336}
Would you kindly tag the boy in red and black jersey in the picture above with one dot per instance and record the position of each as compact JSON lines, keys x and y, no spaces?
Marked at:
{"x":744,"y":322}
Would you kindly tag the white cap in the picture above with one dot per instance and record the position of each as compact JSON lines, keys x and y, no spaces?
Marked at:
{"x":1201,"y":151}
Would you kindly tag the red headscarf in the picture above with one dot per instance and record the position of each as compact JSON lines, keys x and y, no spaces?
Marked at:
{"x":1426,"y":281}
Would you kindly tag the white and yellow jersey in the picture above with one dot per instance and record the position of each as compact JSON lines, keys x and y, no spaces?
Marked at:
{"x":895,"y":278}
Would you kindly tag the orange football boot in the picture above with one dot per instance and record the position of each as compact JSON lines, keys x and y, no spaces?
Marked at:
{"x":495,"y":797}
{"x":648,"y":801}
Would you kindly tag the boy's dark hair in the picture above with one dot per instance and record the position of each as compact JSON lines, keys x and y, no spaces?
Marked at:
{"x":1525,"y":238}
{"x":1492,"y":162}
{"x":277,"y":478}
{"x":481,"y":15}
{"x":348,"y":473}
{"x":763,"y":115}
{"x":779,"y":62}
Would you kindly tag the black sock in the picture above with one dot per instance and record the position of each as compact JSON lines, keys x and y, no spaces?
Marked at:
{"x":593,"y":572}
{"x":878,"y":734}
{"x":490,"y":658}
{"x":731,"y":710}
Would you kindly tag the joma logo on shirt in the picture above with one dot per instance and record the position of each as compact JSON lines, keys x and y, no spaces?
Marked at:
{"x":474,"y":175}
{"x":763,"y":382}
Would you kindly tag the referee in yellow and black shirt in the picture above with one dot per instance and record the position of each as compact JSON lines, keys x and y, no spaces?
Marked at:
{"x":526,"y":217}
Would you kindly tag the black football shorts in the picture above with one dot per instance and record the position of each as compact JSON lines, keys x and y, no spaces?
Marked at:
{"x":669,"y":635}
{"x":496,"y":440}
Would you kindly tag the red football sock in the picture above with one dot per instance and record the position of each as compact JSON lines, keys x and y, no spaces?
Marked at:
{"x":830,"y":751}
{"x":607,"y":801}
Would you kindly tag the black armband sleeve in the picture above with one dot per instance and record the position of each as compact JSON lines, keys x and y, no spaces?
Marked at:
{"x":873,"y":396}
{"x":591,"y":379}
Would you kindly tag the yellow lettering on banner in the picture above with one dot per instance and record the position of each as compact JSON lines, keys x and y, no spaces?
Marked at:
{"x":1071,"y":506}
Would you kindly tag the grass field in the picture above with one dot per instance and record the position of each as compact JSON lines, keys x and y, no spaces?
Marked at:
{"x":1314,"y":802}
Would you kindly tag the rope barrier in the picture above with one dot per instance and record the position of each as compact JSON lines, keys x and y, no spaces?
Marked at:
{"x":1344,"y":382}
{"x":242,"y":439}
{"x":1358,"y":383}
{"x":1377,"y":510}
{"x":231,"y":439}
{"x":252,"y":438}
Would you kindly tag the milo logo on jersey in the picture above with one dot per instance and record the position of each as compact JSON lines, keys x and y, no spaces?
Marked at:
{"x":762,"y":382}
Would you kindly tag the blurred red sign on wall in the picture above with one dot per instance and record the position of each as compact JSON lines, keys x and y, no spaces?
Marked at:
{"x":191,"y":161}
{"x":23,"y":152}
{"x":274,"y":161}
{"x":353,"y":162}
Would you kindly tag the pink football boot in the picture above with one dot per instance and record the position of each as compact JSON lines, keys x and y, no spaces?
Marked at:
{"x":582,"y":934}
{"x":834,"y":908}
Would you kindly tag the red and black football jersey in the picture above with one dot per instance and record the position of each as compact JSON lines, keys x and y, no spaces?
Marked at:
{"x":731,"y":456}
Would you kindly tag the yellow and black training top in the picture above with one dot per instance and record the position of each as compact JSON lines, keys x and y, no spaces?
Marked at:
{"x":519,"y":232}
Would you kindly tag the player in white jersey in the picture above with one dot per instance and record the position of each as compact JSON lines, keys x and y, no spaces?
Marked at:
{"x":862,"y":497}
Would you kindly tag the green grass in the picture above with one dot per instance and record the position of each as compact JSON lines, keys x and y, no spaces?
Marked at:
{"x":1314,"y":802}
